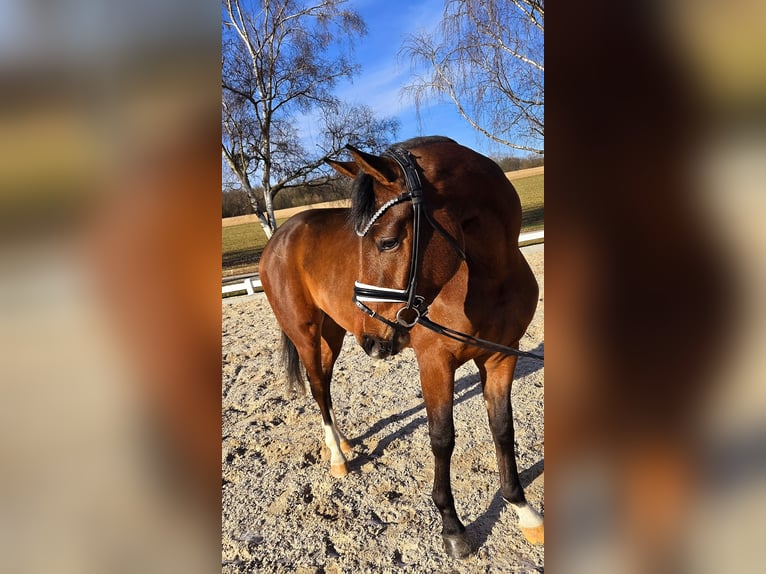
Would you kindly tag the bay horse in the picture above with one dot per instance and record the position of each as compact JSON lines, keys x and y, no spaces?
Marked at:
{"x":426,"y":257}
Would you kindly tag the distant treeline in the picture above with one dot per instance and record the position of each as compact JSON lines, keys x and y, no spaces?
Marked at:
{"x":235,"y":201}
{"x":517,"y":163}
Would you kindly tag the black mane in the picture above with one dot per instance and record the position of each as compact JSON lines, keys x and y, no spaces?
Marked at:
{"x":362,"y":201}
{"x":362,"y":192}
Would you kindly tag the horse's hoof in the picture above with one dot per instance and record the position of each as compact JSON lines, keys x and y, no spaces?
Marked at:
{"x":535,"y":535}
{"x":338,"y":470}
{"x":456,"y":546}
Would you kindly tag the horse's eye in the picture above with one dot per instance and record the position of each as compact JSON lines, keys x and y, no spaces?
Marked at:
{"x":388,"y":244}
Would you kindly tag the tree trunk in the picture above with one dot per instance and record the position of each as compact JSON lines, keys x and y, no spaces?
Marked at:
{"x":262,"y":219}
{"x":270,"y":217}
{"x":268,"y":198}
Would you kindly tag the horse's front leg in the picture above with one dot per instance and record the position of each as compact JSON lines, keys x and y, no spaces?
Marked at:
{"x":319,"y":355}
{"x":497,"y":378}
{"x":437,"y":380}
{"x":335,"y":444}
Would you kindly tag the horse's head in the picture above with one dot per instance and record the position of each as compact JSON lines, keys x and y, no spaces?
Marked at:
{"x":403,"y":261}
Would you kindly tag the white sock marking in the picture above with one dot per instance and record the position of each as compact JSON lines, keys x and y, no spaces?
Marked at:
{"x":332,"y":438}
{"x":528,"y":516}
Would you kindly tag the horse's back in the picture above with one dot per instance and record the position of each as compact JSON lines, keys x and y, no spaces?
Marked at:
{"x":302,"y":266}
{"x":487,"y":209}
{"x":299,"y":241}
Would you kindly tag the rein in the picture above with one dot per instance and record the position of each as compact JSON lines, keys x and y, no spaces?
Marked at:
{"x":415,"y":311}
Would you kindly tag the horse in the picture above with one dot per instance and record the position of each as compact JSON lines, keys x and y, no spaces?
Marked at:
{"x":427,"y":257}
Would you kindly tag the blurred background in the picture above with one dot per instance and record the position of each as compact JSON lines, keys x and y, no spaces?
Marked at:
{"x":110,"y":262}
{"x":656,"y":444}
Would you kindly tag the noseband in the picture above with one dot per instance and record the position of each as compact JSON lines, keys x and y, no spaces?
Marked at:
{"x":415,"y":310}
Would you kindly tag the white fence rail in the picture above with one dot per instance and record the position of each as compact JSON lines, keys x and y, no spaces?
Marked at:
{"x":252,"y":283}
{"x":531,"y":236}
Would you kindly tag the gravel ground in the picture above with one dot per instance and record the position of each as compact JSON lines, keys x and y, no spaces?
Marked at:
{"x":283,"y":512}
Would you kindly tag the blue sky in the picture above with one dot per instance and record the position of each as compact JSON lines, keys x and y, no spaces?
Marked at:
{"x":384,"y":74}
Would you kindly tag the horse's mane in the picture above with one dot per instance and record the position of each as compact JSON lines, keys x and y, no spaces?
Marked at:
{"x":362,"y":192}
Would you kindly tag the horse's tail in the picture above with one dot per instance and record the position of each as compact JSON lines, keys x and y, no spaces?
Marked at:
{"x":292,"y":365}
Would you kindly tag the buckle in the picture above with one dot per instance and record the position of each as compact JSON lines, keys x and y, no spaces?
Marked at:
{"x":403,"y":320}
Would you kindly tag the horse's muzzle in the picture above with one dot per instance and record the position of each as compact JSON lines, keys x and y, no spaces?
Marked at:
{"x":379,"y":348}
{"x":376,"y":347}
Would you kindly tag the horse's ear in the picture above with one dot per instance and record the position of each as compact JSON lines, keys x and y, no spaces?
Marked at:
{"x":381,"y":168}
{"x":347,"y":168}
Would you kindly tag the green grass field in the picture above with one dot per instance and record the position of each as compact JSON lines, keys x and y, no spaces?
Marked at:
{"x":241,"y":247}
{"x":531,"y":191}
{"x":243,"y":244}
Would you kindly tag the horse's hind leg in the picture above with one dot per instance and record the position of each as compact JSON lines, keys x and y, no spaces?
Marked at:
{"x":497,"y":377}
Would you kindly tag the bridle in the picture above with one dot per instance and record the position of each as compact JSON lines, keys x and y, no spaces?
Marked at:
{"x":415,"y":309}
{"x":363,"y":292}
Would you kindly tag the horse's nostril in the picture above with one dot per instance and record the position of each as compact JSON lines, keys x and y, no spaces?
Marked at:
{"x":375,"y":347}
{"x":382,"y":349}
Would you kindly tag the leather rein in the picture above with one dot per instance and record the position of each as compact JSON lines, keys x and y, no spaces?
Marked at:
{"x":415,"y":310}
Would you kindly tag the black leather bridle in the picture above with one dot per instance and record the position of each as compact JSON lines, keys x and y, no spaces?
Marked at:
{"x":415,"y":310}
{"x":414,"y":304}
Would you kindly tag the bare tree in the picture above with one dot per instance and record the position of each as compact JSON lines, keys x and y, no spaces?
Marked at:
{"x":487,"y":58}
{"x":281,"y":61}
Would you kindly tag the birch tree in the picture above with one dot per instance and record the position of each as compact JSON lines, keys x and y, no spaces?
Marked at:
{"x":487,"y":58}
{"x":281,"y":62}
